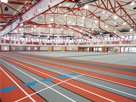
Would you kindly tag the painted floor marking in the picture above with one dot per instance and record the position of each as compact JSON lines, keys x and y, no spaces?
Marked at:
{"x":41,"y":83}
{"x":18,"y":85}
{"x":68,"y":83}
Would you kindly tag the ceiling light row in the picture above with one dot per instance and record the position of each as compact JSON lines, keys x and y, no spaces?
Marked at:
{"x":4,"y":1}
{"x":132,"y":3}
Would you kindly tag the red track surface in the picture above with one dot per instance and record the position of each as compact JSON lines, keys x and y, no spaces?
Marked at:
{"x":16,"y":93}
{"x":120,"y":81}
{"x":92,"y":67}
{"x":90,"y":88}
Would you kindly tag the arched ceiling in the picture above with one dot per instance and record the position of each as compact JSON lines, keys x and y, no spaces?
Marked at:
{"x":81,"y":17}
{"x":11,"y":10}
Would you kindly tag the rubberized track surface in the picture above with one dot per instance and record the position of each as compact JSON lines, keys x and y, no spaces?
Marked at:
{"x":33,"y":78}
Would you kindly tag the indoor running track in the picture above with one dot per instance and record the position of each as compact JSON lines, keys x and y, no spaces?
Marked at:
{"x":33,"y":78}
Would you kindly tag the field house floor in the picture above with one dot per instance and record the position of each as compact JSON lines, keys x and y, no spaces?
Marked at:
{"x":67,"y":77}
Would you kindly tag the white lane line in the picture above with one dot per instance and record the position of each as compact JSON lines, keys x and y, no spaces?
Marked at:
{"x":18,"y":85}
{"x":92,"y":82}
{"x":70,"y":84}
{"x":91,"y":76}
{"x":98,"y":77}
{"x":106,"y":87}
{"x":40,"y":82}
{"x":49,"y":87}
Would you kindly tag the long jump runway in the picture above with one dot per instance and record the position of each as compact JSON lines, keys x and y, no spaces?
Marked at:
{"x":34,"y":78}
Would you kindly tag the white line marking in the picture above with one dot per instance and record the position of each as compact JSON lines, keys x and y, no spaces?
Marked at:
{"x":92,"y":82}
{"x":93,"y":76}
{"x":18,"y":86}
{"x":90,"y":75}
{"x":40,"y":82}
{"x":70,"y":84}
{"x":49,"y":87}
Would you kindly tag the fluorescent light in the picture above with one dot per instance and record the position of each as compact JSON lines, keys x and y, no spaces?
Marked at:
{"x":115,"y":17}
{"x":83,"y":17}
{"x":5,"y":1}
{"x":69,"y":21}
{"x":49,"y":3}
{"x":86,"y":6}
{"x":52,"y":19}
{"x":131,"y":30}
{"x":49,"y":25}
{"x":35,"y":48}
{"x":132,"y":3}
{"x":124,"y":23}
{"x":114,"y":31}
{"x":96,"y":21}
{"x":103,"y":11}
{"x":106,"y":26}
{"x":21,"y":24}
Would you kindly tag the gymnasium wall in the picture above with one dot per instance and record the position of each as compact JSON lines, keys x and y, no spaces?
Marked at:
{"x":68,"y":48}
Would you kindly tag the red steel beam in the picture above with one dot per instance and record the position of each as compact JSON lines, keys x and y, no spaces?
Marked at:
{"x":30,"y":14}
{"x":1,"y":8}
{"x":112,"y":6}
{"x":134,"y":23}
{"x":103,"y":8}
{"x":16,"y":2}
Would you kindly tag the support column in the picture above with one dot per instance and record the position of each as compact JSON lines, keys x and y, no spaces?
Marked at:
{"x":120,"y":49}
{"x":0,"y":47}
{"x":104,"y":49}
{"x":90,"y":49}
{"x":9,"y":47}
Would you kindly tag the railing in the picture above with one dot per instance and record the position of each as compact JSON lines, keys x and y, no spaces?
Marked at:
{"x":100,"y":43}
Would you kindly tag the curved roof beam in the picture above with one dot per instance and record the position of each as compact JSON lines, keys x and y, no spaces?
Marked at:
{"x":54,"y":25}
{"x":108,"y":3}
{"x":110,"y":28}
{"x":39,"y":8}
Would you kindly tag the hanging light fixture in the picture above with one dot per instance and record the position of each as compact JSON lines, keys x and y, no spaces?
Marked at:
{"x":106,"y":26}
{"x":4,"y":1}
{"x":104,"y":11}
{"x":115,"y":17}
{"x":132,"y":3}
{"x":86,"y":6}
{"x":131,"y":30}
{"x":83,"y":17}
{"x":124,"y":23}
